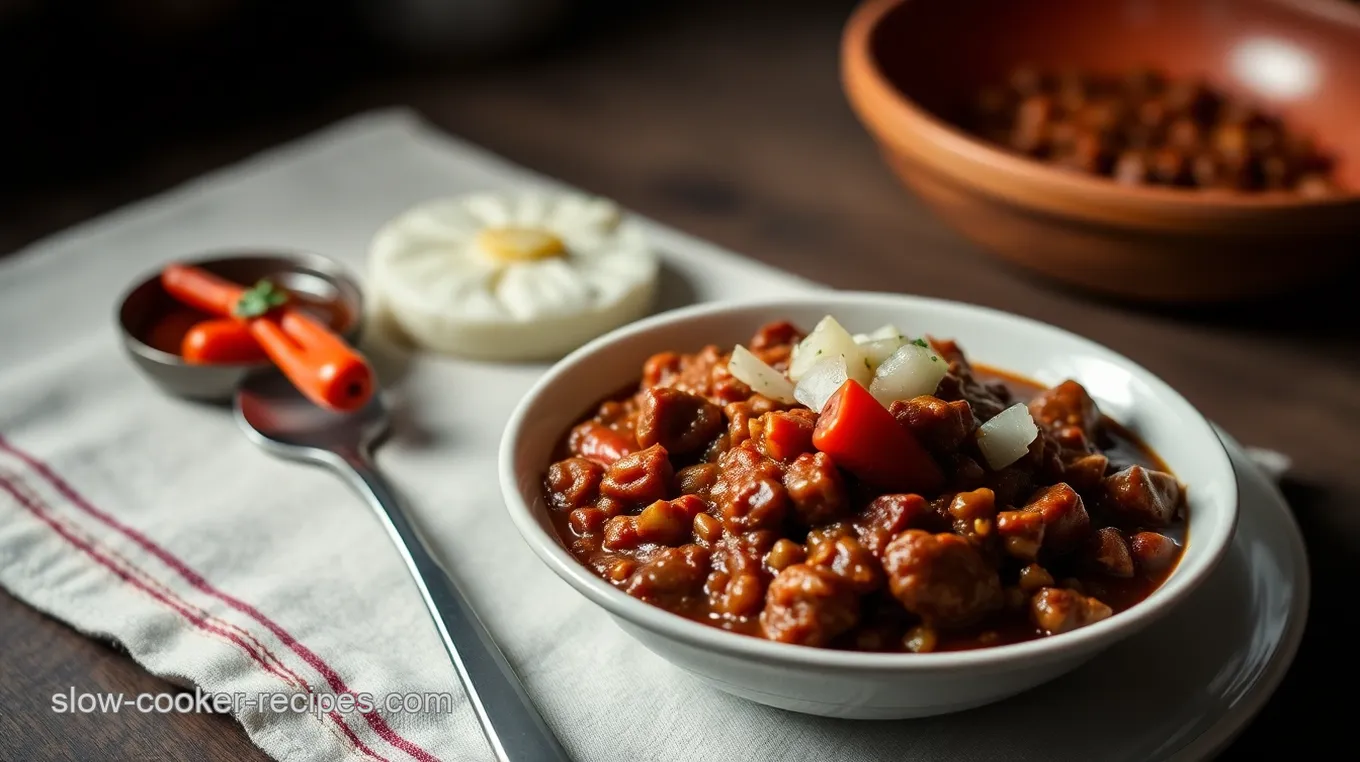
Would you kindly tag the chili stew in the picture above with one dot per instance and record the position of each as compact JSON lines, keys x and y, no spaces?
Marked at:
{"x":986,"y":510}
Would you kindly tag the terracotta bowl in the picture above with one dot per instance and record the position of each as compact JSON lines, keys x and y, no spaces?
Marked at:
{"x":909,"y":64}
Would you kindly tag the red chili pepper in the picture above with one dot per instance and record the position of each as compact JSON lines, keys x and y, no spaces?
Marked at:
{"x":221,"y":340}
{"x":318,"y":362}
{"x":861,"y":436}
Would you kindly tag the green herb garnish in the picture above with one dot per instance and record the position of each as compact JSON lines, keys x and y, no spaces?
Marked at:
{"x":920,"y":343}
{"x":260,"y":299}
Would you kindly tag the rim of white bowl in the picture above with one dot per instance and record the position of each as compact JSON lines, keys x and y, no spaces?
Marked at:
{"x":1084,"y":640}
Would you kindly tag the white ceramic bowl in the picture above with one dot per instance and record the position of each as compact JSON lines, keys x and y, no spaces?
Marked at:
{"x":869,"y":685}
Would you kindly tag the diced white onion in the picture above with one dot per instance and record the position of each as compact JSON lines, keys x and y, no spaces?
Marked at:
{"x":909,"y":372}
{"x":878,"y":350}
{"x":1006,"y":438}
{"x":755,"y":373}
{"x":820,"y":382}
{"x":888,"y":331}
{"x":827,"y":340}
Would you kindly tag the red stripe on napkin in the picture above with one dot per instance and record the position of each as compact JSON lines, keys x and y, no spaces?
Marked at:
{"x":333,"y":679}
{"x":194,"y":619}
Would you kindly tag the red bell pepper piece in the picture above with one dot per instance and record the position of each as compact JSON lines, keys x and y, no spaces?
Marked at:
{"x":861,"y":436}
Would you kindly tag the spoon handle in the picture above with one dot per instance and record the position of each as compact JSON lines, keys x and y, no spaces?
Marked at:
{"x":512,"y":725}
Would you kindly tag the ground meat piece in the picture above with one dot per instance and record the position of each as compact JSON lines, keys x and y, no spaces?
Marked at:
{"x":1085,"y":473}
{"x":851,"y":561}
{"x":640,"y":478}
{"x":668,"y":522}
{"x":1055,"y":610}
{"x":941,"y":578}
{"x":595,"y":441}
{"x":1142,"y":497}
{"x":1152,"y":553}
{"x":573,"y":483}
{"x":1066,"y":523}
{"x":888,"y":516}
{"x":739,"y":415}
{"x":783,"y":435}
{"x":940,"y":426}
{"x":676,"y":420}
{"x":1044,"y":459}
{"x":749,"y":492}
{"x":1107,"y":552}
{"x":744,"y":553}
{"x":674,"y":572}
{"x":816,"y":490}
{"x":808,"y":605}
{"x":660,"y":368}
{"x":725,"y":387}
{"x":697,"y":479}
{"x":1022,"y":533}
{"x":620,"y":533}
{"x":775,"y":334}
{"x":1066,"y":405}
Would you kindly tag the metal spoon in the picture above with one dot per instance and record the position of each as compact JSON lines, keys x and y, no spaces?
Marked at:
{"x":279,"y":419}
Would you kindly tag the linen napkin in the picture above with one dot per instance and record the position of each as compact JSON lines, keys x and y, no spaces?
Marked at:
{"x":152,"y":522}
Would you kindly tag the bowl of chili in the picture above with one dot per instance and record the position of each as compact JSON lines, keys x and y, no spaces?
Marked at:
{"x":650,"y":476}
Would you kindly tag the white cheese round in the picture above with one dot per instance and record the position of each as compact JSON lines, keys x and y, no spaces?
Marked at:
{"x":524,"y":276}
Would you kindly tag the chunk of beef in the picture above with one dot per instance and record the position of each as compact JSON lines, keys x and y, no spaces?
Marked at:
{"x":851,"y":561}
{"x":1107,"y":552}
{"x":1153,"y":553}
{"x":739,"y":416}
{"x":808,"y":605}
{"x":888,"y":516}
{"x":940,"y":426}
{"x":1066,"y":405}
{"x":750,"y":491}
{"x":573,"y":483}
{"x":1066,"y":523}
{"x":1142,"y":497}
{"x":1021,"y":532}
{"x":678,"y":421}
{"x":640,"y":478}
{"x":672,"y":572}
{"x":816,"y":490}
{"x":941,"y":578}
{"x":595,"y":441}
{"x":1085,"y":472}
{"x":783,"y":435}
{"x":697,"y":479}
{"x":1056,"y":610}
{"x":780,"y":332}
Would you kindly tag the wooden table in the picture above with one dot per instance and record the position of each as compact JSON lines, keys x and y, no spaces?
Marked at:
{"x":730,"y":124}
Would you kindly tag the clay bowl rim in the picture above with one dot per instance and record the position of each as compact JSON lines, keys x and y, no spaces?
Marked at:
{"x":896,"y":119}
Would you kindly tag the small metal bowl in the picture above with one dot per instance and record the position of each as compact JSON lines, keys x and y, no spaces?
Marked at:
{"x":299,"y":272}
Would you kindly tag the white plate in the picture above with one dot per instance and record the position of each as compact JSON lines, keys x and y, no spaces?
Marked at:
{"x":1185,"y":687}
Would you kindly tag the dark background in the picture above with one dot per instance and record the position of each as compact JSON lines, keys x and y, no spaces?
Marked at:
{"x":720,"y":118}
